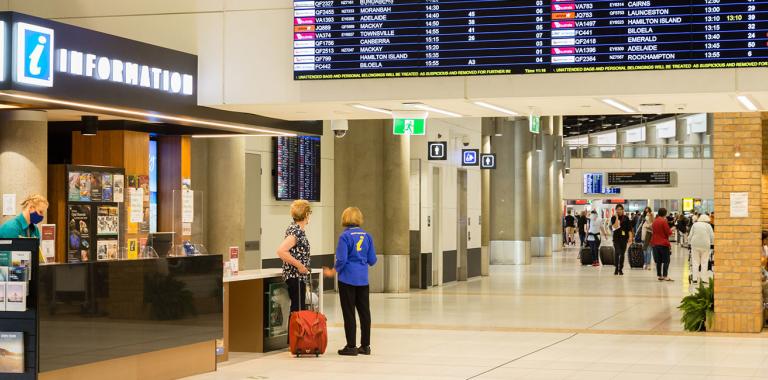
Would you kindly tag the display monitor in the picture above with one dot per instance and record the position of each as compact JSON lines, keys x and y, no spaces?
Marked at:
{"x":296,"y":173}
{"x":593,"y":183}
{"x":422,"y":38}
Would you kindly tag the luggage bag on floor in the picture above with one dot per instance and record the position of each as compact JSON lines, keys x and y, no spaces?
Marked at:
{"x":607,"y":256}
{"x":636,"y":257}
{"x":586,"y":256}
{"x":308,"y":332}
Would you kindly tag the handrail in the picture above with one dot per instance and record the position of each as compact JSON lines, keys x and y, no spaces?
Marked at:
{"x":661,"y":151}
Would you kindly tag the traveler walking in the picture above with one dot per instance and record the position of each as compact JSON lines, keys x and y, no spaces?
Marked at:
{"x":294,"y":252}
{"x":701,"y":239}
{"x":646,"y":232}
{"x":594,"y":229}
{"x":682,"y":229}
{"x":581,"y":224}
{"x":354,"y":254}
{"x":622,"y":234}
{"x":570,"y":227}
{"x":661,"y":245}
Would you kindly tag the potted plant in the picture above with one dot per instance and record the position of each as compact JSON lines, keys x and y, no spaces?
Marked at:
{"x":699,"y":308}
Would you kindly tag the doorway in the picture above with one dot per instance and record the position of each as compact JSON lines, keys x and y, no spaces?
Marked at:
{"x":461,"y":233}
{"x":437,"y":253}
{"x":252,"y":257}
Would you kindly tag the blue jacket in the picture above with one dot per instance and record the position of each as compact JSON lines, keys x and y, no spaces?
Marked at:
{"x":354,"y":254}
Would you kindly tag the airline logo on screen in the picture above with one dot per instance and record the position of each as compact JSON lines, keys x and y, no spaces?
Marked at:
{"x":34,"y":55}
{"x":36,"y":60}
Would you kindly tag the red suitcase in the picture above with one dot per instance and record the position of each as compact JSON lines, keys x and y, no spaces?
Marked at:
{"x":308,"y":333}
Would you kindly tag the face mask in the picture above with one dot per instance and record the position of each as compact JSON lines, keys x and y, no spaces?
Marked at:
{"x":35,"y":218}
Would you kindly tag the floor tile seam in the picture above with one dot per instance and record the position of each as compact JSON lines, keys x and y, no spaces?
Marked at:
{"x":427,"y":293}
{"x":549,"y":330}
{"x":523,"y":356}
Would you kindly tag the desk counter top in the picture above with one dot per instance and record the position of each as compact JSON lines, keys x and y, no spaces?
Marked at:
{"x":259,"y":274}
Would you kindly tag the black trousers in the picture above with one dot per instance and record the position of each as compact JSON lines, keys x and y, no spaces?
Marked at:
{"x":582,"y":237}
{"x":620,"y":250}
{"x":661,"y":255}
{"x":355,"y":297}
{"x":297,"y":290}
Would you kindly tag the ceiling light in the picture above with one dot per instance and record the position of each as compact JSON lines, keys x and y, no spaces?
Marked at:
{"x":145,"y":115}
{"x":372,"y":109}
{"x":235,"y":135}
{"x":618,"y":105}
{"x":497,"y":108}
{"x":425,"y":107}
{"x":90,"y":125}
{"x":747,"y":102}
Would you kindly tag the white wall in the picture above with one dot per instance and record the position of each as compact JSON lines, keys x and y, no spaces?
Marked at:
{"x":452,"y":131}
{"x":276,"y":216}
{"x":695,"y":178}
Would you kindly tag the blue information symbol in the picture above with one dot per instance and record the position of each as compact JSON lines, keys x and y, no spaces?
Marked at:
{"x":469,"y":157}
{"x":34,"y":55}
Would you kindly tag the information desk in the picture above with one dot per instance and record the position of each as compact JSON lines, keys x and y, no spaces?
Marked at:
{"x":257,"y":308}
{"x":130,"y":313}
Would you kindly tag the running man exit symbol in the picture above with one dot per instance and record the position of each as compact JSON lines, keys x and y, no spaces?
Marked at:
{"x":438,"y":150}
{"x":488,"y":161}
{"x":409,"y":126}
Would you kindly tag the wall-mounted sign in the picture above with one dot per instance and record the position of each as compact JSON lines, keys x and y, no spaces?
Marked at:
{"x":739,"y":205}
{"x":437,"y":150}
{"x":487,"y":161}
{"x":409,"y":126}
{"x":593,"y":183}
{"x":688,"y":204}
{"x":615,"y":201}
{"x":470,"y":157}
{"x":639,"y":178}
{"x":534,"y":124}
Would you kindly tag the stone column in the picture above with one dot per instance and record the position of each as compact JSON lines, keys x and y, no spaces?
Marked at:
{"x":485,"y":227}
{"x":541,"y":194}
{"x":397,"y":156}
{"x":510,"y":236}
{"x":226,"y":195}
{"x":680,"y":136}
{"x":557,"y":184}
{"x":738,"y":247}
{"x":23,"y":154}
{"x":650,"y":139}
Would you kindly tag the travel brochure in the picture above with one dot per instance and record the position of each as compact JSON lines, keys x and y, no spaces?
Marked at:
{"x":108,"y":220}
{"x":107,"y":250}
{"x":11,"y":352}
{"x":15,"y":273}
{"x":79,"y":239}
{"x":96,"y":187}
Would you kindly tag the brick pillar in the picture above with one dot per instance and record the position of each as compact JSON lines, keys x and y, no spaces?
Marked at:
{"x":738,"y":292}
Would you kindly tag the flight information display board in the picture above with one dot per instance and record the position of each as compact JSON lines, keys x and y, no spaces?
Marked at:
{"x":296,"y":173}
{"x":639,"y":178}
{"x":347,"y":39}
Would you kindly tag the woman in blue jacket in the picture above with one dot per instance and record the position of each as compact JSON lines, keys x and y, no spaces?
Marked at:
{"x":354,"y":254}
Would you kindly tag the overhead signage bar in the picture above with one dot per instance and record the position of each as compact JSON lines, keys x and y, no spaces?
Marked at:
{"x":349,"y":39}
{"x":639,"y":178}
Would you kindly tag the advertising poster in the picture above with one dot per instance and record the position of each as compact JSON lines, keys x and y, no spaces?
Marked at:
{"x":85,"y":187}
{"x":79,"y":234}
{"x":118,"y":188}
{"x":187,"y":206}
{"x":142,"y":245}
{"x":107,"y":220}
{"x":133,"y":181}
{"x":136,"y":204}
{"x":74,"y":186}
{"x":144,"y":186}
{"x":133,"y":249}
{"x":16,"y":296}
{"x":12,"y":347}
{"x":106,"y":187}
{"x":234,"y":260}
{"x":9,"y":204}
{"x":48,"y":242}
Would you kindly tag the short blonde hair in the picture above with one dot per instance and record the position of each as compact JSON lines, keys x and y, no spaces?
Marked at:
{"x":300,"y":210}
{"x":352,"y":217}
{"x":34,"y":200}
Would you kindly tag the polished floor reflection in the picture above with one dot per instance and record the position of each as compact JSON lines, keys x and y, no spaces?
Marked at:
{"x":550,"y":320}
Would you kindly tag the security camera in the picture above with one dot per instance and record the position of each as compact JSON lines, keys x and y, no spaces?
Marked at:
{"x":340,"y":128}
{"x":465,"y":141}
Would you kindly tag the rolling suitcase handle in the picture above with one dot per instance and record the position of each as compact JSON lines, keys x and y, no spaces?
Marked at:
{"x":309,"y":287}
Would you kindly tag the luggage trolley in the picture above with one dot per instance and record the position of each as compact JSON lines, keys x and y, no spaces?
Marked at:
{"x":710,"y":262}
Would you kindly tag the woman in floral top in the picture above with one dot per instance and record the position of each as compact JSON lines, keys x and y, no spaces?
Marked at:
{"x":294,"y":251}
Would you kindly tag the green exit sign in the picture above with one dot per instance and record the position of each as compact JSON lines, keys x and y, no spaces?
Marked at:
{"x":409,"y":126}
{"x":534,"y":124}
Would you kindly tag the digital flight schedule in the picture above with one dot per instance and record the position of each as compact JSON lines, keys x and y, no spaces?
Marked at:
{"x":348,"y":39}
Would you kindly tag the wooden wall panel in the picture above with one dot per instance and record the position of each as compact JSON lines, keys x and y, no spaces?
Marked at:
{"x":174,"y":164}
{"x":57,"y":208}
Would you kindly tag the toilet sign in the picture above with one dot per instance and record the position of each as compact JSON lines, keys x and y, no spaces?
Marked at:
{"x":470,"y":157}
{"x":437,"y":150}
{"x":487,"y":161}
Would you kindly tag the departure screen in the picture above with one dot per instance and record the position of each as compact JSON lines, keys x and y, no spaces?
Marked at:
{"x":296,"y":173}
{"x":348,"y":39}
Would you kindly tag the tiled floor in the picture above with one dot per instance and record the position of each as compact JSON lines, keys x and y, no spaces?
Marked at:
{"x":550,"y":320}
